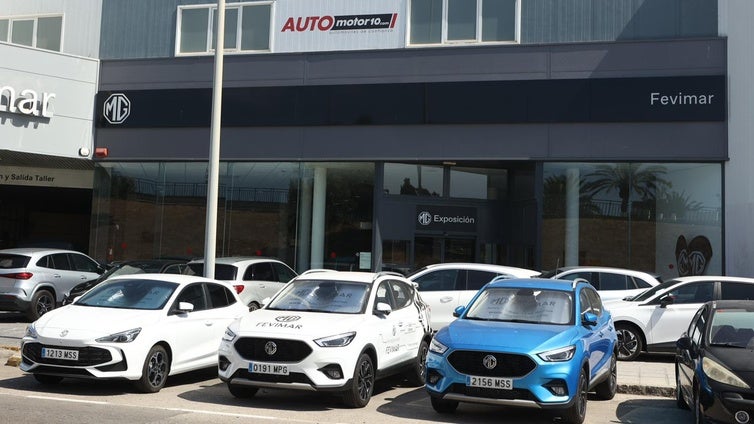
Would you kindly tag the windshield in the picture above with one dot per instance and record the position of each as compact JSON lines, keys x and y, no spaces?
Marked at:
{"x":522,"y":305}
{"x":343,"y":297}
{"x":646,"y":294}
{"x":129,"y":294}
{"x":732,"y":327}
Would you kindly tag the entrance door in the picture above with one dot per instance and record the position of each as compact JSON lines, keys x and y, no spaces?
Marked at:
{"x":433,"y":250}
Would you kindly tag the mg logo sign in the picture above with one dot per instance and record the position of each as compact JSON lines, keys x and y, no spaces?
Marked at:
{"x":117,"y":108}
{"x":425,"y":218}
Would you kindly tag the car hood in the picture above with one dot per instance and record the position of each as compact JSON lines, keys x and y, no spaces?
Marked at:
{"x":298,"y":324}
{"x":740,"y":360}
{"x":85,"y":322}
{"x":619,"y":305}
{"x":507,"y":336}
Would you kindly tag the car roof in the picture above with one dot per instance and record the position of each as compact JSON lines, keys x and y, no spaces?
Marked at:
{"x":181,"y":279}
{"x":537,"y":283}
{"x":358,"y":276}
{"x":711,"y":278}
{"x":232,"y":260}
{"x":36,"y":250}
{"x":503,"y":269}
{"x":602,"y":269}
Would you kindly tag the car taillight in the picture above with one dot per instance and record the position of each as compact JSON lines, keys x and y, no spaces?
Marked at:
{"x":18,"y":275}
{"x":239,"y":288}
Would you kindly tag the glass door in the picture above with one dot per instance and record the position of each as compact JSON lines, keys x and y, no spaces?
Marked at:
{"x":431,"y":250}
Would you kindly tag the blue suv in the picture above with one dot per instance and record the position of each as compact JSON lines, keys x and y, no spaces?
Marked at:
{"x":526,"y":342}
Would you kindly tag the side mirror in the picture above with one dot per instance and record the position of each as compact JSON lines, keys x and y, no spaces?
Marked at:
{"x":383,"y":308}
{"x":666,"y":300}
{"x":589,"y":318}
{"x":183,"y":308}
{"x":684,"y":343}
{"x":458,"y":311}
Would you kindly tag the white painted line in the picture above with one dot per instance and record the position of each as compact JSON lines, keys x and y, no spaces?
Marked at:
{"x":95,"y":402}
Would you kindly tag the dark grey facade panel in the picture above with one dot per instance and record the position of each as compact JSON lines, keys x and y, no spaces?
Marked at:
{"x":146,"y":28}
{"x":489,"y":63}
{"x":704,"y":141}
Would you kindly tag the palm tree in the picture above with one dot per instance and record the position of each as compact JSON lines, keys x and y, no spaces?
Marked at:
{"x":627,"y":178}
{"x":555,"y":197}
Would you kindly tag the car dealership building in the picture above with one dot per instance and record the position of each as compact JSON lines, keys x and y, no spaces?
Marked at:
{"x":393,"y":134}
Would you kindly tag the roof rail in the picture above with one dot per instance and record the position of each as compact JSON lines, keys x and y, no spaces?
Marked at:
{"x":386,"y":273}
{"x":579,"y":280}
{"x":312,"y":271}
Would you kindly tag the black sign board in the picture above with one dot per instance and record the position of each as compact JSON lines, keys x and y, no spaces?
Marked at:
{"x":445,"y":218}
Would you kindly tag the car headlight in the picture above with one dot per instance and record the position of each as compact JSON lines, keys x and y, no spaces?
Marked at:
{"x":229,"y":335}
{"x":717,"y":372}
{"x":437,"y":347}
{"x":558,"y":355}
{"x":31,"y":331}
{"x":123,"y":337}
{"x":339,"y":340}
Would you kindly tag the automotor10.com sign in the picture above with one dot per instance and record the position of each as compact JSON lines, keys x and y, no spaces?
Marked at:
{"x":445,"y":218}
{"x":340,"y":23}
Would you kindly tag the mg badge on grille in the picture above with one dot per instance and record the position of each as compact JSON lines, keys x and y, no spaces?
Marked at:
{"x":270,"y":348}
{"x":489,"y":362}
{"x":63,"y":333}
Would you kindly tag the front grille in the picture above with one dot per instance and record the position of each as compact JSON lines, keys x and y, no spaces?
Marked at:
{"x":508,"y":364}
{"x":88,"y":356}
{"x":253,"y":349}
{"x":294,"y":377}
{"x":517,"y":394}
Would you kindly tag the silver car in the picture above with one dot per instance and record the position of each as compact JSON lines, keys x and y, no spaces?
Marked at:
{"x":35,"y":280}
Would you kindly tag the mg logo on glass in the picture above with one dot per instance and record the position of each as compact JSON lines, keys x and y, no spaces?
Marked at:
{"x":117,"y":108}
{"x":425,"y":218}
{"x":489,"y":362}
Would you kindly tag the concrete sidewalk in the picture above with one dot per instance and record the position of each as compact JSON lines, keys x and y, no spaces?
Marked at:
{"x":651,"y":376}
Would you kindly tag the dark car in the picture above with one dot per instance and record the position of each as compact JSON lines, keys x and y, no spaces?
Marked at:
{"x":714,"y":363}
{"x":164,"y":266}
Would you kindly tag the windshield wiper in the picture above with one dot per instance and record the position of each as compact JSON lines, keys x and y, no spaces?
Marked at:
{"x":728,"y":344}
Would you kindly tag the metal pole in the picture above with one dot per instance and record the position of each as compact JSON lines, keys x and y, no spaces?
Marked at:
{"x":210,"y":233}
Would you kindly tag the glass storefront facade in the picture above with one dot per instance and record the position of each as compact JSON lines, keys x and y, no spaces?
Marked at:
{"x":663,"y":218}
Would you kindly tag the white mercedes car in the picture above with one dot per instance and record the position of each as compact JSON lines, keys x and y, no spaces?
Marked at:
{"x":142,"y":327}
{"x":329,"y":331}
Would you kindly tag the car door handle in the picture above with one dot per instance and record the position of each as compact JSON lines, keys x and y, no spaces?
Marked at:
{"x":209,"y":323}
{"x":55,"y":275}
{"x":446,"y":299}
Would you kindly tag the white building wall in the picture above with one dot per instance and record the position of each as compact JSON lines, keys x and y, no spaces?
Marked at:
{"x":81,"y":21}
{"x":735,"y":23}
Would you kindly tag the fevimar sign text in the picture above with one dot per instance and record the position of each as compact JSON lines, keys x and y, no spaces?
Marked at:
{"x":26,"y":102}
{"x":445,"y":218}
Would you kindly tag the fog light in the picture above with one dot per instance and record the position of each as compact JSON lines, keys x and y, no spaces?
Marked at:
{"x":433,"y":377}
{"x":332,"y":371}
{"x":223,"y":363}
{"x":742,"y":417}
{"x":557,"y":387}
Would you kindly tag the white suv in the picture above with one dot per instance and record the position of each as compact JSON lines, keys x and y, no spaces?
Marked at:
{"x":329,"y":331}
{"x":35,"y":280}
{"x":254,"y":278}
{"x":450,"y":285}
{"x":611,"y":283}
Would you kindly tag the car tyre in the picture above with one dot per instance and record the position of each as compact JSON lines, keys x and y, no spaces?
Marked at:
{"x":444,"y":406}
{"x":607,"y":389}
{"x":42,"y":302}
{"x":48,"y":379}
{"x":419,"y":370}
{"x":680,"y":402}
{"x":576,"y":413}
{"x":629,"y":342}
{"x":242,"y":392}
{"x":155,"y":371}
{"x":253,"y":306}
{"x":362,"y":383}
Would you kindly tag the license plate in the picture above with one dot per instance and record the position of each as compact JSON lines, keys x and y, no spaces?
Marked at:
{"x":262,"y":368}
{"x":69,"y":355}
{"x":489,"y":382}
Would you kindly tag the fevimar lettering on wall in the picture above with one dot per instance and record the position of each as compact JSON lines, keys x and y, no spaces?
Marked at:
{"x":26,"y":102}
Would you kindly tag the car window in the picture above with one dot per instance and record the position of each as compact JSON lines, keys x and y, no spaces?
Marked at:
{"x":475,"y":279}
{"x":219,"y":296}
{"x":260,"y":272}
{"x":60,"y":261}
{"x":641,"y":283}
{"x":284,"y":273}
{"x":384,"y":295}
{"x":594,"y":300}
{"x":733,"y":327}
{"x":584,"y":305}
{"x":223,"y":272}
{"x":83,"y":264}
{"x":193,"y":294}
{"x":588,"y":276}
{"x":736,"y":291}
{"x":173,"y":269}
{"x":693,"y":293}
{"x":611,"y":281}
{"x":14,"y":261}
{"x":440,"y":280}
{"x":401,"y":294}
{"x":696,"y":328}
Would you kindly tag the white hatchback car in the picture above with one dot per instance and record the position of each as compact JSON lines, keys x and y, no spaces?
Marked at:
{"x":654,"y":320}
{"x":255,"y":278}
{"x":450,"y":285}
{"x":141,"y":327}
{"x":329,"y":331}
{"x":611,"y":283}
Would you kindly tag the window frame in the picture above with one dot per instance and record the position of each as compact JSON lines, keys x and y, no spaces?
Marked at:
{"x":212,"y":9}
{"x":444,"y":42}
{"x":35,"y":29}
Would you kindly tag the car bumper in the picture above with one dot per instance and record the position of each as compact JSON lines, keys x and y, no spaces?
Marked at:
{"x":10,"y":301}
{"x":95,"y":360}
{"x":309,"y":373}
{"x":533,"y":390}
{"x":725,"y":404}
